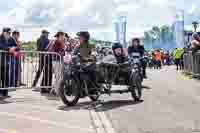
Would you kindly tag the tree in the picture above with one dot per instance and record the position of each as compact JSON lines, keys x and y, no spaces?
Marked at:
{"x":167,"y":37}
{"x":165,"y":33}
{"x":147,"y":40}
{"x":155,"y":33}
{"x":162,"y":37}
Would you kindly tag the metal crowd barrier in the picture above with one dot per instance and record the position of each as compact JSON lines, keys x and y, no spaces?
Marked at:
{"x":30,"y":69}
{"x":192,"y":63}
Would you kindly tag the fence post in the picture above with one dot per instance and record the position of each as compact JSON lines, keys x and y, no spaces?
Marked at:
{"x":197,"y":64}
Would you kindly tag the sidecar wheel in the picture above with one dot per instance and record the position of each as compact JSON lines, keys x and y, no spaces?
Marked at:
{"x":64,"y":92}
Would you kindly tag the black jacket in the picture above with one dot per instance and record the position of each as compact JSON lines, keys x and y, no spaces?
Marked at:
{"x":140,"y":50}
{"x":42,"y":43}
{"x":5,"y":45}
{"x":121,"y":59}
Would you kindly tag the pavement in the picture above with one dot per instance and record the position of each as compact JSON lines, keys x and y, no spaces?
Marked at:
{"x":170,"y":105}
{"x":28,"y":112}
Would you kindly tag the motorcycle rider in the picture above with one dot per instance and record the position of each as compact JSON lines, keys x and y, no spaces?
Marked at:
{"x":138,"y":48}
{"x":87,"y":54}
{"x":86,"y":50}
{"x":119,"y":53}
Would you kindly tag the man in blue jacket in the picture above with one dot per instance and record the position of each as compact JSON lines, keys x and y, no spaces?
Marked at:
{"x":13,"y":61}
{"x":5,"y":63}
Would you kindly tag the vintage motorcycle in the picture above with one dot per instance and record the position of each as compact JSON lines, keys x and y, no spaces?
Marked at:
{"x":77,"y":83}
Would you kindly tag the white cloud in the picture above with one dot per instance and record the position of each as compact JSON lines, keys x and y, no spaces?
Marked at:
{"x":92,"y":15}
{"x":193,"y":8}
{"x":160,"y":3}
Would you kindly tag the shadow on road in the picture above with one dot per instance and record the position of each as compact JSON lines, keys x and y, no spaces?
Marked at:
{"x":79,"y":106}
{"x":51,"y":97}
{"x":2,"y":101}
{"x":100,"y":106}
{"x":146,"y":87}
{"x":27,"y":99}
{"x":111,"y":105}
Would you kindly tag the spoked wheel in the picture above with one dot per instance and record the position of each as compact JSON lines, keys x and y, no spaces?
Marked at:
{"x":94,"y":95}
{"x":136,"y":88}
{"x":68,"y":92}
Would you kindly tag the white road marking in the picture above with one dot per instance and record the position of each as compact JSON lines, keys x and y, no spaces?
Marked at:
{"x":101,"y":122}
{"x":107,"y":124}
{"x":64,"y":125}
{"x":97,"y":122}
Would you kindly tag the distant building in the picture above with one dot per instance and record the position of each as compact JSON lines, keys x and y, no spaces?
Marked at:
{"x":116,"y":30}
{"x":179,"y":29}
{"x":119,"y":33}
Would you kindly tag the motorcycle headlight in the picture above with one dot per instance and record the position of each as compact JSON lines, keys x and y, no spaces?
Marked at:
{"x":135,"y":66}
{"x":133,"y":70}
{"x":136,"y":61}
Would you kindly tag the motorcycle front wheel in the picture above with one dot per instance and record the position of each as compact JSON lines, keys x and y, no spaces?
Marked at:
{"x":68,"y":92}
{"x":136,"y":87}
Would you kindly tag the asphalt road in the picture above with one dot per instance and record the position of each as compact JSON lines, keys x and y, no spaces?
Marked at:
{"x":170,"y":105}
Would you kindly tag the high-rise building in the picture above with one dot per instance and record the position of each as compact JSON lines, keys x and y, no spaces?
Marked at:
{"x":179,"y":29}
{"x":120,"y":23}
{"x":116,"y":27}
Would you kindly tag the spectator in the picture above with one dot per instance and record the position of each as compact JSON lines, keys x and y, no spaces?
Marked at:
{"x":42,"y":43}
{"x":168,"y":57}
{"x":68,"y":43}
{"x":195,"y":42}
{"x":182,"y":58}
{"x":6,"y":45}
{"x":154,"y":60}
{"x":17,"y":61}
{"x":67,"y":36}
{"x":150,"y":60}
{"x":177,"y":58}
{"x":58,"y":46}
{"x":158,"y":58}
{"x":13,"y":64}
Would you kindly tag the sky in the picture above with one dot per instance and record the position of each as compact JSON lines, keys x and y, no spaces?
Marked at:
{"x":31,"y":16}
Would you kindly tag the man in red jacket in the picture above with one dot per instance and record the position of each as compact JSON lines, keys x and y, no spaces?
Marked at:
{"x":53,"y":61}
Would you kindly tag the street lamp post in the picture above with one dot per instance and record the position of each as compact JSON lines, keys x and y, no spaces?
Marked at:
{"x":195,"y":25}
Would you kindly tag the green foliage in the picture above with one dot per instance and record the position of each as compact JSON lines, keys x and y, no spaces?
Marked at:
{"x":186,"y":31}
{"x":93,"y":41}
{"x":102,"y":43}
{"x":29,"y":46}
